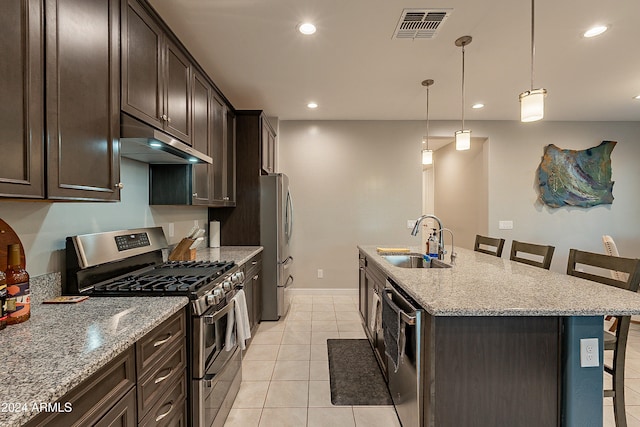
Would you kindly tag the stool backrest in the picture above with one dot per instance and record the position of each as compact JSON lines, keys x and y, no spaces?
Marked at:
{"x":610,"y":248}
{"x":544,"y":251}
{"x":497,"y":243}
{"x":631,"y":266}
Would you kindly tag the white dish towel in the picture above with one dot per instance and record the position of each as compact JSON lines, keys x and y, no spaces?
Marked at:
{"x":242,"y":318}
{"x":375,"y":314}
{"x":230,"y":333}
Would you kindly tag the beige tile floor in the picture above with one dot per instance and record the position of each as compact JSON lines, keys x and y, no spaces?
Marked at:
{"x":285,"y":373}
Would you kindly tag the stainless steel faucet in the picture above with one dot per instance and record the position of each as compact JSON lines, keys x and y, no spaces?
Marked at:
{"x":416,"y":229}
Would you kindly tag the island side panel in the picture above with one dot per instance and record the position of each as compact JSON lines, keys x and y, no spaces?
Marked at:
{"x":582,"y":387}
{"x":495,"y":371}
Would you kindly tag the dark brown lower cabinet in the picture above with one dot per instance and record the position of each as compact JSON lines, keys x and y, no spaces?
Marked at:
{"x":93,"y":399}
{"x":145,"y":385}
{"x":253,"y":290}
{"x":492,"y":371}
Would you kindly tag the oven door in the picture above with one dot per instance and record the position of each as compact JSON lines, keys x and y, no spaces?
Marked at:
{"x":213,"y":394}
{"x":209,"y":333}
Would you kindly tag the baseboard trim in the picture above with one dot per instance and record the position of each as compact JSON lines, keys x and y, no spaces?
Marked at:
{"x":322,"y":291}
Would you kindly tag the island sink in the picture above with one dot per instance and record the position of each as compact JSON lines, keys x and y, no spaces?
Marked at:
{"x":413,"y":260}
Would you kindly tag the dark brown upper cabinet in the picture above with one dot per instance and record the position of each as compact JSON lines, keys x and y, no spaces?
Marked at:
{"x":22,"y":106}
{"x":156,"y":73}
{"x":268,"y":147}
{"x":82,"y":99}
{"x":223,"y":146}
{"x":202,"y":141}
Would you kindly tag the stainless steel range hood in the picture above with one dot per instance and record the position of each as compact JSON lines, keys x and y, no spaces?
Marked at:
{"x":142,"y":142}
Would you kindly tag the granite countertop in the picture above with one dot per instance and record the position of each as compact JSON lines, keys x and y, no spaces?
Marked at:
{"x":239,"y":254}
{"x":484,"y":285}
{"x":63,"y":344}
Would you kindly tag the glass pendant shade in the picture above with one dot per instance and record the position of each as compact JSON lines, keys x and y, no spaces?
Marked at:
{"x":532,"y":105}
{"x":463,"y":139}
{"x":427,"y":157}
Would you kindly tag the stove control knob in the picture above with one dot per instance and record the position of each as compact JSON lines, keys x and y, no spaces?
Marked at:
{"x":237,"y":277}
{"x":215,"y":297}
{"x":226,"y":285}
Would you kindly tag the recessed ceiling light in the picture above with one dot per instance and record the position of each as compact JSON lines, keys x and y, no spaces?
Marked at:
{"x":312,"y":105}
{"x":477,"y":105}
{"x":595,"y":31}
{"x":307,"y":28}
{"x":636,"y":97}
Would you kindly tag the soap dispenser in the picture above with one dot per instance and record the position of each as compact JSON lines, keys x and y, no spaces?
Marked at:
{"x":432,"y":245}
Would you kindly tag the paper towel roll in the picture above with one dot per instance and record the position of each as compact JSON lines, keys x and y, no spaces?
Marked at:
{"x":214,"y":234}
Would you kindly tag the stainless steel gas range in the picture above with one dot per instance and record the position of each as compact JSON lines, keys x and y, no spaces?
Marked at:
{"x":132,"y":263}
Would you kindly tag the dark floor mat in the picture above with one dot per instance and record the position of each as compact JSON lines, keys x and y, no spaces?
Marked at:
{"x":355,"y":376}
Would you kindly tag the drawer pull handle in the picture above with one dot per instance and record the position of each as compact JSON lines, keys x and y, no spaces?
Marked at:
{"x":161,"y":416}
{"x":254,"y":262}
{"x":160,"y":342}
{"x":160,"y":379}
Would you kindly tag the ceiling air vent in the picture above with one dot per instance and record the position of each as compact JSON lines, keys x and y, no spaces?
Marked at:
{"x":420,"y":23}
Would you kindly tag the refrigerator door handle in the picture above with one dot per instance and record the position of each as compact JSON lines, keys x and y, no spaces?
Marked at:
{"x":289,"y":281}
{"x":288,"y":217}
{"x":287,"y":261}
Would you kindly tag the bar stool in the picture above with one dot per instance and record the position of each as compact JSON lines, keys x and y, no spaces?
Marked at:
{"x":545,"y":251}
{"x":616,"y":342}
{"x":497,"y":243}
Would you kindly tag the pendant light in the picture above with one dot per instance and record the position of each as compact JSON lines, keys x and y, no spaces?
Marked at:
{"x":463,"y":136}
{"x":427,"y":155}
{"x":532,"y":101}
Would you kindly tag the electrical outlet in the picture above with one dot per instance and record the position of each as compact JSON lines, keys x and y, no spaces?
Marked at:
{"x":320,"y":273}
{"x":411,"y":223}
{"x":505,"y":225}
{"x":589,"y":353}
{"x":172,"y":230}
{"x":196,"y":223}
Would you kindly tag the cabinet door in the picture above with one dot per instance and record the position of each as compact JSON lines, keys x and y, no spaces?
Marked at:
{"x":123,"y":414}
{"x":177,"y":84}
{"x":82,"y":99}
{"x":217,"y":148}
{"x":249,"y":296}
{"x":201,"y":139}
{"x":267,"y":147}
{"x":229,"y":167}
{"x":257,"y":296}
{"x":141,"y":91}
{"x":22,"y":106}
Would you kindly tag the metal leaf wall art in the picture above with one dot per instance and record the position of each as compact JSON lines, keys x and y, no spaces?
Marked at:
{"x":576,"y":177}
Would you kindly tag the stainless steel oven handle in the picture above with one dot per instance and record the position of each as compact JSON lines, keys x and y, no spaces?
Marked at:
{"x":161,"y":416}
{"x":210,"y":319}
{"x":160,"y":342}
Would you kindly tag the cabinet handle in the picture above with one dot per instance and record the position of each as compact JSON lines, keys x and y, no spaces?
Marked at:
{"x":225,"y":198}
{"x":163,"y":117}
{"x":255,"y":277}
{"x":160,"y":342}
{"x":161,"y":416}
{"x":254,"y":262}
{"x":195,"y":194}
{"x":119,"y":185}
{"x":160,"y":379}
{"x":169,"y":119}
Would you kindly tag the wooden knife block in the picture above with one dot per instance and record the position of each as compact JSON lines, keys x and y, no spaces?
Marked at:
{"x":182,"y":252}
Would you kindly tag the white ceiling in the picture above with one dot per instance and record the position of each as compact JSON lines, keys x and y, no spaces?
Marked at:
{"x":355,"y":71}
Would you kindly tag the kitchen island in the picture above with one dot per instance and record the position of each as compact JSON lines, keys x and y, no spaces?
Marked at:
{"x":501,"y":340}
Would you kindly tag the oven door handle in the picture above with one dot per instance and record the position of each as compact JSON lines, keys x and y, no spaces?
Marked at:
{"x":210,"y":319}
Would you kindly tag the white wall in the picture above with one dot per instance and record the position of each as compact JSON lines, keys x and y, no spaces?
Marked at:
{"x":358,"y":182}
{"x":355,"y":182}
{"x":43,"y":226}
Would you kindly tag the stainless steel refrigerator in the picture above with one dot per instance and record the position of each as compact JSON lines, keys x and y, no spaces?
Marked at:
{"x":276,"y":226}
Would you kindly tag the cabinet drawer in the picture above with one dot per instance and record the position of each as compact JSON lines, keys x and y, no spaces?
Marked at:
{"x":253,"y":265}
{"x":93,"y":398}
{"x":122,"y":414}
{"x":160,"y":377}
{"x":153,"y":345}
{"x":170,"y":410}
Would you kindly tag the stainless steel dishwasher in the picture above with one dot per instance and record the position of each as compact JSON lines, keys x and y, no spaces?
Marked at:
{"x":406,"y":384}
